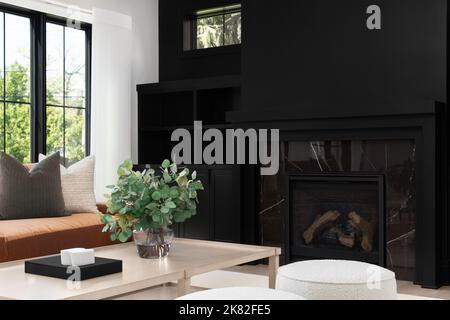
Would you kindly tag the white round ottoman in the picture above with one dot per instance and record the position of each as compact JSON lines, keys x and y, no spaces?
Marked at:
{"x":241,"y":294}
{"x":337,"y":280}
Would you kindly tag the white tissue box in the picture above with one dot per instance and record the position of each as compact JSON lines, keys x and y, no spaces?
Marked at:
{"x":77,"y":257}
{"x":82,"y":258}
{"x":66,"y":260}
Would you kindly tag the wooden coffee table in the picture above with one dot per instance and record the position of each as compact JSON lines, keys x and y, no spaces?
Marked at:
{"x":187,"y":259}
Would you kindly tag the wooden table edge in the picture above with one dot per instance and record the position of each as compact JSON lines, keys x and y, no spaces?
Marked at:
{"x":273,"y":254}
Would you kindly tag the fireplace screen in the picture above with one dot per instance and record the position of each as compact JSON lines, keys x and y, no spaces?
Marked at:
{"x":337,"y":217}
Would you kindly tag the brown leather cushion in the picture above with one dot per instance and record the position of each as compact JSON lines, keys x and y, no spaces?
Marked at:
{"x":24,"y":239}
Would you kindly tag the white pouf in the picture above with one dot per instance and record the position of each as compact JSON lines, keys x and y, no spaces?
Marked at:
{"x":241,"y":294}
{"x":337,"y":280}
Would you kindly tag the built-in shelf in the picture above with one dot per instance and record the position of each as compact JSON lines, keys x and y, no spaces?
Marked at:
{"x":167,"y":106}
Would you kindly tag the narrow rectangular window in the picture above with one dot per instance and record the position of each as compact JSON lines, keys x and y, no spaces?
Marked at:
{"x":213,"y":28}
{"x":66,"y":79}
{"x":15,"y":86}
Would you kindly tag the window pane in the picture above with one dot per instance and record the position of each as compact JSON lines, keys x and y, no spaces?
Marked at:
{"x":55,"y":64}
{"x":75,"y":135}
{"x":210,"y":32}
{"x":55,"y":130}
{"x":17,"y":56}
{"x":18,"y":142}
{"x":233,"y":28}
{"x":75,"y":67}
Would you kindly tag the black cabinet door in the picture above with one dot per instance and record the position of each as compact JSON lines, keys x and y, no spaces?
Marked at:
{"x":225,"y":204}
{"x":199,"y":226}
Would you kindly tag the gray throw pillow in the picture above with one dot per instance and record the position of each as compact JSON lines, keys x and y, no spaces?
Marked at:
{"x":30,"y":194}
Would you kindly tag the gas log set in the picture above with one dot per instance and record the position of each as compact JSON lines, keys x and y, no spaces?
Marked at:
{"x":350,"y":230}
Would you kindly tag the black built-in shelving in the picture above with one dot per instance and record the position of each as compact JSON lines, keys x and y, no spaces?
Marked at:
{"x":167,"y":106}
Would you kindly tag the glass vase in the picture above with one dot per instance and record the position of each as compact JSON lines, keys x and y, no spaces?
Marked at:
{"x":153,"y":244}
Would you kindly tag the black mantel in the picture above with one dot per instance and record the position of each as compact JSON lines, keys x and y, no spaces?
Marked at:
{"x":310,"y":110}
{"x":423,"y":121}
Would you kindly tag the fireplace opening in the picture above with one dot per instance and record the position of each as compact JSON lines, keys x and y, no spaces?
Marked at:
{"x":337,"y":217}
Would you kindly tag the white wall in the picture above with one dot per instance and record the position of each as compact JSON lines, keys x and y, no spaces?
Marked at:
{"x":145,"y":46}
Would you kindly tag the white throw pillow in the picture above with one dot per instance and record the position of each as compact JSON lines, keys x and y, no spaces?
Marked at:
{"x":78,"y":186}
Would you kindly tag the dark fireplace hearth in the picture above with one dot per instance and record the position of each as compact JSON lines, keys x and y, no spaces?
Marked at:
{"x":335,"y":216}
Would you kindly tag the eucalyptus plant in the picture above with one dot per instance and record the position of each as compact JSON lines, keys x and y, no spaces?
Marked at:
{"x":145,"y":201}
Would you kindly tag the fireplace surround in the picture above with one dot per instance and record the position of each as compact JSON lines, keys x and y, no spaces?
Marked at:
{"x":404,"y":142}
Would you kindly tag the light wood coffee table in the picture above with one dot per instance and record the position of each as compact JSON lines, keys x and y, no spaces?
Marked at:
{"x":187,"y":259}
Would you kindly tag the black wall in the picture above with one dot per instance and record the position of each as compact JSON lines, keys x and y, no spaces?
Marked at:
{"x":296,"y":53}
{"x":177,"y":65}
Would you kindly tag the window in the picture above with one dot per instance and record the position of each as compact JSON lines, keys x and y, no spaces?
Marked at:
{"x":66,"y":92}
{"x":15,"y":86}
{"x":212,"y":28}
{"x":44,"y":89}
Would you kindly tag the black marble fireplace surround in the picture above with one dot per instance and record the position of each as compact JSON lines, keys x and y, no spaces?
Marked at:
{"x":404,"y":151}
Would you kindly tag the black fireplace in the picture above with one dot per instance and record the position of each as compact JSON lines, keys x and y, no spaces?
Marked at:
{"x":395,"y":152}
{"x":335,"y":216}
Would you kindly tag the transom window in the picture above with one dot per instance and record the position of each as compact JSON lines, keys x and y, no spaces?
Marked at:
{"x":214,"y":27}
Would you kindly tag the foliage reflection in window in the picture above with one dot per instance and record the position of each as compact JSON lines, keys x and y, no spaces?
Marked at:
{"x":66,"y":92}
{"x":15,"y":86}
{"x":213,"y":28}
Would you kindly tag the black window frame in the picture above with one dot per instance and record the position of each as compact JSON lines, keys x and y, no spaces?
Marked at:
{"x":38,"y":96}
{"x":189,"y":30}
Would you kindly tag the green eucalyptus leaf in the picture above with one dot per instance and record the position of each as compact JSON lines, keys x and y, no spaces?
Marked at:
{"x":128,"y":232}
{"x":179,"y":217}
{"x":197,"y":185}
{"x":152,"y":206}
{"x":165,"y":210}
{"x":165,"y":164}
{"x":193,"y":194}
{"x":183,"y":181}
{"x":138,"y":226}
{"x":167,"y":177}
{"x":156,"y":196}
{"x":123,"y":237}
{"x":170,"y":205}
{"x":165,"y":192}
{"x":174,"y":193}
{"x":121,"y":172}
{"x":128,"y":164}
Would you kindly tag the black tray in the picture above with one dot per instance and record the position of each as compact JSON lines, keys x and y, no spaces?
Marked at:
{"x":52,"y":267}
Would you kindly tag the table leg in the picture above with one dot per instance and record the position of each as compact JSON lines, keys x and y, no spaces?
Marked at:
{"x":183,"y":287}
{"x":274,"y":264}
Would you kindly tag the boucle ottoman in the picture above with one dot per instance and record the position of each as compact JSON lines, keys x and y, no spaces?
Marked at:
{"x":337,"y":280}
{"x":241,"y":294}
